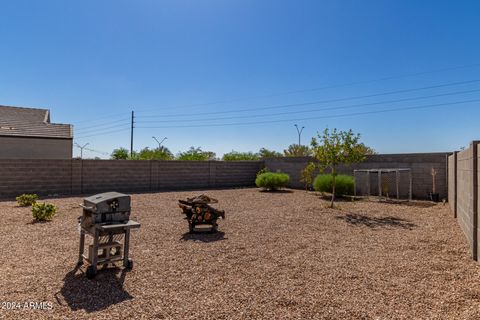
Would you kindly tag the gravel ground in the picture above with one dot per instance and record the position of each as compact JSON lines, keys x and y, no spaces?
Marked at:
{"x":279,"y":255}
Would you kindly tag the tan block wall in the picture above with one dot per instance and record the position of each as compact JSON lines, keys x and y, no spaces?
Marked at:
{"x":421,"y":165}
{"x":465,"y":193}
{"x":63,"y":177}
{"x":35,"y":148}
{"x":451,"y":181}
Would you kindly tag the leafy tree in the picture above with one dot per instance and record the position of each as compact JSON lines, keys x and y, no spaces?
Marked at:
{"x":196,"y":154}
{"x":235,"y":155}
{"x":120,"y":154}
{"x":365,"y":150}
{"x":306,"y":175}
{"x":297,"y":150}
{"x":161,"y":153}
{"x":336,"y":147}
{"x":265,"y":153}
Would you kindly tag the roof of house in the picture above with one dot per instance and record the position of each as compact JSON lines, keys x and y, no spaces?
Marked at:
{"x":31,"y":122}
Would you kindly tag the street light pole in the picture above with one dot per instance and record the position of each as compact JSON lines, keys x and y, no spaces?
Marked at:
{"x":81,"y":148}
{"x":299,"y":133}
{"x":159,"y":142}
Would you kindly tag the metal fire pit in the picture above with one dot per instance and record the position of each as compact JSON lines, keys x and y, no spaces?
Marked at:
{"x":106,"y":218}
{"x":198,"y":212}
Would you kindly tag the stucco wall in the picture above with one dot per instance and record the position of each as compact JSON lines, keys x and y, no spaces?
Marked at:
{"x":35,"y":148}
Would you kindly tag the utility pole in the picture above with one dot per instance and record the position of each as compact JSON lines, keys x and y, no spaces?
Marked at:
{"x":81,"y":148}
{"x":299,"y":133}
{"x":159,"y":142}
{"x":131,"y":134}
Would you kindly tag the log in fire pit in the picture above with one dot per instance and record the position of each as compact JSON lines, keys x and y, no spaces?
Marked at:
{"x":199,"y":212}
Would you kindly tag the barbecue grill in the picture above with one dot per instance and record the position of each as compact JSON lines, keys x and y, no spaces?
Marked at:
{"x":106,"y":218}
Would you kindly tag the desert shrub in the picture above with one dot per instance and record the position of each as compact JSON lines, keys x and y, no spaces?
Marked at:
{"x":43,"y":211}
{"x":344,"y":184}
{"x":272,"y":180}
{"x":25,"y":199}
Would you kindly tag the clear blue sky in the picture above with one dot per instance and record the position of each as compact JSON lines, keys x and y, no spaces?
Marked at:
{"x":101,"y":59}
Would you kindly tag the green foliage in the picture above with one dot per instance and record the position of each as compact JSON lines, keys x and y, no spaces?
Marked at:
{"x":263,"y":170}
{"x":365,"y":150}
{"x":295,"y":150}
{"x":196,"y":154}
{"x":306,"y":175}
{"x":272,"y":180}
{"x":43,"y":211}
{"x":336,"y":147}
{"x":265,"y":153}
{"x":120,"y":154}
{"x":161,"y":153}
{"x":344,"y":184}
{"x":235,"y":155}
{"x":25,"y":199}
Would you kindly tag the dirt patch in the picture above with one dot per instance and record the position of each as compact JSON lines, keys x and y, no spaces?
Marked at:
{"x":277,"y":256}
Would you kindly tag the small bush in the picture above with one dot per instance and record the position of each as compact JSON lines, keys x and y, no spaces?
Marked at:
{"x":272,"y":180}
{"x":343,"y":186}
{"x":43,"y":211}
{"x":24,"y":200}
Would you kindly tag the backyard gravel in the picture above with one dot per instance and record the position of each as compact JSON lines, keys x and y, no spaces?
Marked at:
{"x":281,"y":255}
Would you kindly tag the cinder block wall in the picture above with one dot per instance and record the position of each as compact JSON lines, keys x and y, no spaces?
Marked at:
{"x":65,"y":177}
{"x":463,"y":193}
{"x":421,"y":165}
{"x":452,"y":176}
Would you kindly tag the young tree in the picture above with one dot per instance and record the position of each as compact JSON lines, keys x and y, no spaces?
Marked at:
{"x":297,"y":150}
{"x":196,"y":154}
{"x":365,"y":150}
{"x":306,"y":175}
{"x":336,"y":147}
{"x":120,"y":154}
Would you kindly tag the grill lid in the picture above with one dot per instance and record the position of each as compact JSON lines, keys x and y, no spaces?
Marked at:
{"x":107,"y":202}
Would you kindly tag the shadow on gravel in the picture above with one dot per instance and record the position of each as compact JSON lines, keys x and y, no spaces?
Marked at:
{"x":106,"y":289}
{"x":374,"y":222}
{"x":204,"y":236}
{"x":277,"y":191}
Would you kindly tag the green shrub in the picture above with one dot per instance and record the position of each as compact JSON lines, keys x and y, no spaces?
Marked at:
{"x":343,"y":184}
{"x":272,"y":180}
{"x":24,"y":200}
{"x":43,"y":211}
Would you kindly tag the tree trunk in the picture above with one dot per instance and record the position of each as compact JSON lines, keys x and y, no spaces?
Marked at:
{"x":334,"y":173}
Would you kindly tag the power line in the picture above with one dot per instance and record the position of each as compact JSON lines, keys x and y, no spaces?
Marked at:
{"x":318,"y":117}
{"x":97,"y":118}
{"x":319,"y":101}
{"x":101,"y":124}
{"x":102,"y":128}
{"x":346,"y":84}
{"x":318,"y":109}
{"x":103,"y":133}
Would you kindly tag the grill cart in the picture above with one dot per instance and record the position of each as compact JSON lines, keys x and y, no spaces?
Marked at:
{"x":106,"y":218}
{"x":199,"y":212}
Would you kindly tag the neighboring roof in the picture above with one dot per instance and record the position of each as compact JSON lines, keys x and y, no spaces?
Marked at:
{"x":30,"y":122}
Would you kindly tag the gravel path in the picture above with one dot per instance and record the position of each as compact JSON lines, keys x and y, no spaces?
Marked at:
{"x":278,"y":256}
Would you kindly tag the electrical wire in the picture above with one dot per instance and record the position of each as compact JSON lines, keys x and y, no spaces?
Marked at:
{"x":318,"y":117}
{"x":102,"y":133}
{"x":341,"y":85}
{"x":315,"y":110}
{"x":317,"y":101}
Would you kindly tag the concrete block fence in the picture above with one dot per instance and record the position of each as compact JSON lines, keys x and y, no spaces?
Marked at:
{"x":463,"y":193}
{"x":421,"y":165}
{"x":68,"y":177}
